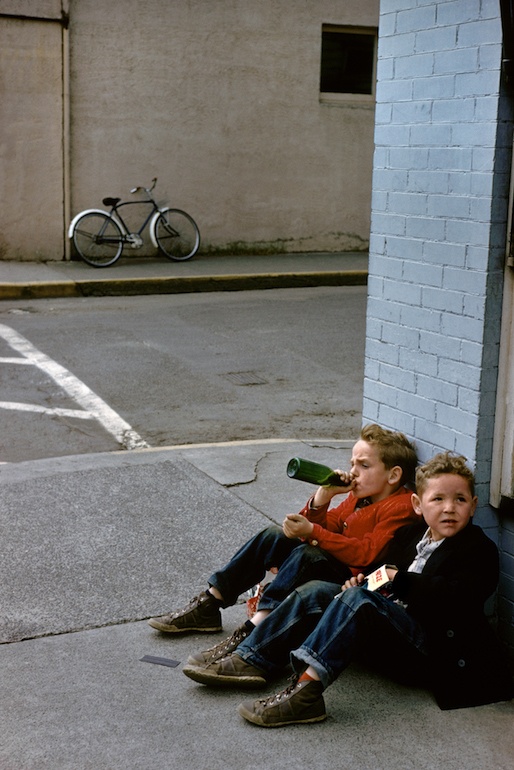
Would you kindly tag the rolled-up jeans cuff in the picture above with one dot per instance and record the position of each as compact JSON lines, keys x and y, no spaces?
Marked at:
{"x":302,"y":658}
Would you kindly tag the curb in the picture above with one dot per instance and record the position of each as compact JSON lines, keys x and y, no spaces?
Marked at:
{"x":135,"y":286}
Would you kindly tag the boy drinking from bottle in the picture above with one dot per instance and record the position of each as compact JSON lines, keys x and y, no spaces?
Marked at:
{"x":318,"y":543}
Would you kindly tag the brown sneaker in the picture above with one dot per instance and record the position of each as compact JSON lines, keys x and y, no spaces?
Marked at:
{"x":221,"y":650}
{"x":300,"y":703}
{"x":201,"y":614}
{"x":227,"y":672}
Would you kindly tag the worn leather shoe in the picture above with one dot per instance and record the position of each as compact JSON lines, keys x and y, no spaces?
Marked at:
{"x":201,"y":614}
{"x":300,"y":703}
{"x":231,"y":671}
{"x":221,"y":650}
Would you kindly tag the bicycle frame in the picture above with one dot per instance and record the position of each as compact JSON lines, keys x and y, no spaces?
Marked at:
{"x":115,"y":210}
{"x":115,"y":214}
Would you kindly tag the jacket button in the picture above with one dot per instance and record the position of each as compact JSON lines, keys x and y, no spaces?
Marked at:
{"x":314,"y":542}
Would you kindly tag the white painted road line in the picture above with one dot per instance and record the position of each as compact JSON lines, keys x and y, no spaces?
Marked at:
{"x":15,"y":361}
{"x":17,"y":406}
{"x":91,"y":404}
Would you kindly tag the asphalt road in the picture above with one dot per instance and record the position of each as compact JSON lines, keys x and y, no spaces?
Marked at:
{"x":100,"y":374}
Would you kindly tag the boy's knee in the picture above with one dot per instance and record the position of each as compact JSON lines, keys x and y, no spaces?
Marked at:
{"x":312,"y":587}
{"x":317,"y":593}
{"x":308,"y":554}
{"x":271,"y":533}
{"x":355,"y":597}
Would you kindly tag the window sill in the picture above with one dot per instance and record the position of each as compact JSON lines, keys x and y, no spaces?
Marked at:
{"x":364,"y":99}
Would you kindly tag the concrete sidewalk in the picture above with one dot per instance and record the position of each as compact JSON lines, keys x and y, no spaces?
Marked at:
{"x":39,"y":280}
{"x":94,"y":544}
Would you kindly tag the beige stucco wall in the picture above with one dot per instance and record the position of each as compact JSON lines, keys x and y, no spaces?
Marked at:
{"x":220,"y":100}
{"x":31,"y":132}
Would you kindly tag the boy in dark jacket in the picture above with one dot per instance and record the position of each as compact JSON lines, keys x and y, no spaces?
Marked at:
{"x":433,"y":627}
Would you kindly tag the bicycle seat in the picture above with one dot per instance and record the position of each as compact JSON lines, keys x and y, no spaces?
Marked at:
{"x":111,"y":201}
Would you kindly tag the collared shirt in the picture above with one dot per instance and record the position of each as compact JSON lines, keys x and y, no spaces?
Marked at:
{"x":425,"y":548}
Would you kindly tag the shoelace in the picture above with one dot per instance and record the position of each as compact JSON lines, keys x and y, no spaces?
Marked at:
{"x":226,"y":646}
{"x":195,"y":601}
{"x":272,"y":699}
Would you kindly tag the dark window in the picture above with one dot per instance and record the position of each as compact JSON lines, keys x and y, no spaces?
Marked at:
{"x":347,"y":62}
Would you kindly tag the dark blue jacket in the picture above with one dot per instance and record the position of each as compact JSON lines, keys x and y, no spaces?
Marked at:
{"x":468,"y":667}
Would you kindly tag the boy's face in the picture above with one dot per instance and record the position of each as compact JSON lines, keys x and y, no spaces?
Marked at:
{"x":370,"y":476}
{"x":446,"y":505}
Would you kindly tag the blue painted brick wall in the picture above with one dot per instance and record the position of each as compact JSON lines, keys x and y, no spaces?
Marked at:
{"x":430,"y":217}
{"x":437,"y":239}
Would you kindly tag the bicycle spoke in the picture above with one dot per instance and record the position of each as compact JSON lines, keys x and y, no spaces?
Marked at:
{"x":98,"y":239}
{"x":177,"y":234}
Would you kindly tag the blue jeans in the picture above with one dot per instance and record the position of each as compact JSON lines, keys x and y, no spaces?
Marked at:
{"x":333,"y":627}
{"x":297,"y":563}
{"x":357,"y":620}
{"x":269,"y":646}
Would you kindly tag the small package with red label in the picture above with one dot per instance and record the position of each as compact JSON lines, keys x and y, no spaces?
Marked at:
{"x":379,"y":581}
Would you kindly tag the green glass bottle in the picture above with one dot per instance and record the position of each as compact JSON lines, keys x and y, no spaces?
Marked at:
{"x":313,"y":473}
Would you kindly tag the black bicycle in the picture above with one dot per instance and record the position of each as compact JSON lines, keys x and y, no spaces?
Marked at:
{"x":99,"y":236}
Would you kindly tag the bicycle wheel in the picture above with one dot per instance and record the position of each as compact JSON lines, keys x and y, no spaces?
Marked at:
{"x":177,"y":234}
{"x":98,"y":239}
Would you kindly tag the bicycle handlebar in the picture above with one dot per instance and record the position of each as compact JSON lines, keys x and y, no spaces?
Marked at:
{"x":145,"y":189}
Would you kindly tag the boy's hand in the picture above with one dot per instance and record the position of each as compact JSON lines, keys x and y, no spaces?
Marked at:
{"x":325,"y":494}
{"x":296,"y":525}
{"x":346,"y":480}
{"x":356,"y":580}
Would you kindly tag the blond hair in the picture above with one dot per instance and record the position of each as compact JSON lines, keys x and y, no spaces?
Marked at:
{"x":393,"y":449}
{"x":444,"y":462}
